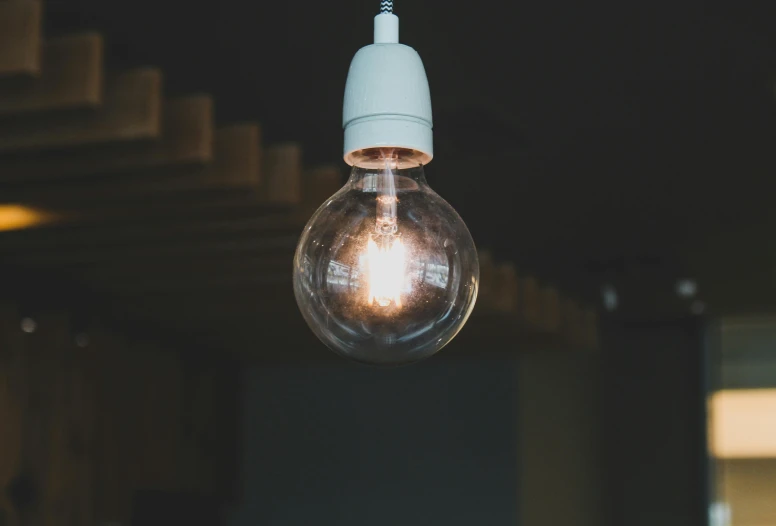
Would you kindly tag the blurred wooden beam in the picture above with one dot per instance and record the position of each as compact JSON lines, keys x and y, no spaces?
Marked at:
{"x":283,"y":173}
{"x":71,"y":78}
{"x":187,"y":139}
{"x":517,"y":309}
{"x":20,"y":37}
{"x":238,"y":157}
{"x":197,"y":168}
{"x":505,"y":293}
{"x":229,"y":181}
{"x":132,"y":112}
{"x":498,"y":290}
{"x":318,"y":185}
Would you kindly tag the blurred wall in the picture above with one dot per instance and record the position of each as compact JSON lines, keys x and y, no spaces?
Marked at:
{"x":450,"y":441}
{"x":93,"y":419}
{"x":433,"y":443}
{"x":559,"y":444}
{"x":654,"y":416}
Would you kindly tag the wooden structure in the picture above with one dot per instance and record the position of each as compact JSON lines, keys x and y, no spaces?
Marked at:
{"x":122,"y":208}
{"x":142,"y":202}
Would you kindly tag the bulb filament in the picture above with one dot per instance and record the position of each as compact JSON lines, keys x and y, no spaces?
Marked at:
{"x":386,"y":253}
{"x":386,"y":257}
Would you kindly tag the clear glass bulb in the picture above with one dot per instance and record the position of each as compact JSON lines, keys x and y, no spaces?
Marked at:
{"x":386,"y":271}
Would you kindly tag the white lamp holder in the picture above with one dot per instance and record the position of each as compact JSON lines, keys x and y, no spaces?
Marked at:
{"x":387,"y":100}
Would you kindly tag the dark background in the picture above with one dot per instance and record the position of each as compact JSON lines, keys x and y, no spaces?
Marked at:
{"x":431,"y":444}
{"x":587,"y":141}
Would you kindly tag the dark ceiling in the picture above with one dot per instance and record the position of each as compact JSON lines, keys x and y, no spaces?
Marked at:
{"x":579,"y":139}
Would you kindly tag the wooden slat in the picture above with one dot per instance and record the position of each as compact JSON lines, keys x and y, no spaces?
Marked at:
{"x":238,"y":161}
{"x":505,"y":294}
{"x":72,"y":78}
{"x":229,"y":182}
{"x":206,"y":163}
{"x":318,"y":185}
{"x":132,"y":111}
{"x":283,"y":173}
{"x":193,"y":170}
{"x":20,"y":37}
{"x":187,"y":139}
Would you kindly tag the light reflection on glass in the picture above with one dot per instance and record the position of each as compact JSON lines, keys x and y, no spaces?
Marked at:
{"x":341,"y":277}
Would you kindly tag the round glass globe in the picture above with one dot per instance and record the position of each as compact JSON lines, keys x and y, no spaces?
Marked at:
{"x":386,"y":272}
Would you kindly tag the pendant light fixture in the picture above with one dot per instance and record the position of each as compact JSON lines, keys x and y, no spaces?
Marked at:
{"x":386,"y":272}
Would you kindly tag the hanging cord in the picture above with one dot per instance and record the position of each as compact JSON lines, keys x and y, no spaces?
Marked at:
{"x":386,"y":7}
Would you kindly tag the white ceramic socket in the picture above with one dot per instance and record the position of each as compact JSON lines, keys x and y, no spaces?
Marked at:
{"x":387,"y":100}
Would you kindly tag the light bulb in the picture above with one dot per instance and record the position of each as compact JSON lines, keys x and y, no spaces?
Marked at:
{"x":386,"y":271}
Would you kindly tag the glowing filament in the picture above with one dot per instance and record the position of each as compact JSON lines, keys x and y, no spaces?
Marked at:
{"x":386,"y":263}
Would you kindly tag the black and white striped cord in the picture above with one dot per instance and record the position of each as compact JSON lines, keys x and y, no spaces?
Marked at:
{"x":386,"y":24}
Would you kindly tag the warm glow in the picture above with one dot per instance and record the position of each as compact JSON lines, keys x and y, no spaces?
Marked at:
{"x":743,"y":423}
{"x":17,"y":217}
{"x":386,"y":262}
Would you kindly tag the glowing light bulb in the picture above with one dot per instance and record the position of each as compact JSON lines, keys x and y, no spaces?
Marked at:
{"x":386,"y":271}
